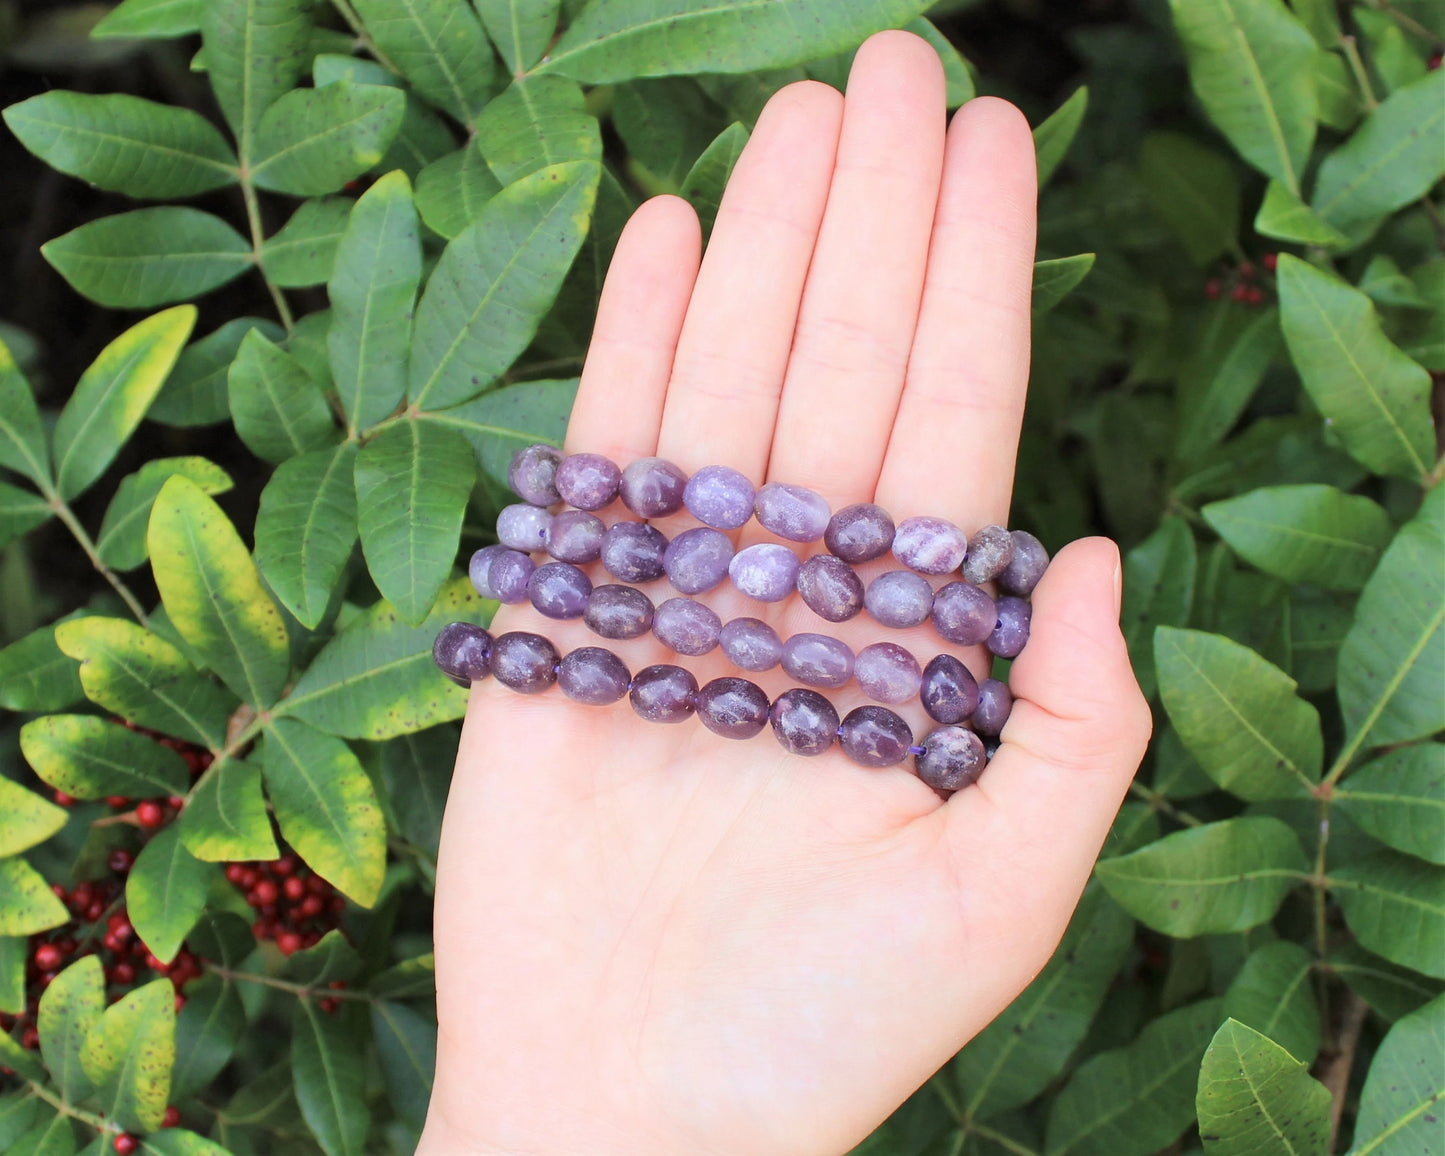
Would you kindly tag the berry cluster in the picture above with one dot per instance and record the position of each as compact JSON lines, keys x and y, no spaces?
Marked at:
{"x":294,"y":906}
{"x":1241,"y":282}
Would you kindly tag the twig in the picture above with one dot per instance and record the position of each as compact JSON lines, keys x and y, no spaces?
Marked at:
{"x":1408,"y":23}
{"x":1335,"y":1074}
{"x":65,"y":1108}
{"x":296,"y":989}
{"x":1357,"y":66}
{"x":258,"y":239}
{"x":1003,"y":1141}
{"x":1159,"y":803}
{"x":358,"y":29}
{"x":87,"y":543}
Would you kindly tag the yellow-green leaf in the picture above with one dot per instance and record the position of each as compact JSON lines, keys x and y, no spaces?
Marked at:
{"x":23,"y":446}
{"x":225,"y":817}
{"x":165,"y":892}
{"x":121,"y":543}
{"x":25,"y":818}
{"x":27,"y":904}
{"x":129,"y":1054}
{"x":69,"y":1008}
{"x":90,"y":757}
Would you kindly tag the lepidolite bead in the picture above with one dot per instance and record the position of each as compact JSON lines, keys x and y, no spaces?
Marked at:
{"x":989,"y":552}
{"x":1011,"y":632}
{"x":463,"y":652}
{"x":533,"y":474}
{"x":929,"y":545}
{"x":1027,"y":565}
{"x":479,"y":569}
{"x":817,"y":660}
{"x":593,"y":676}
{"x":575,"y":536}
{"x":559,"y":590}
{"x":618,"y":612}
{"x":524,"y":661}
{"x":873,"y":736}
{"x":587,"y":481}
{"x":830,"y":588}
{"x":952,"y":758}
{"x":899,"y":598}
{"x":510,"y":576}
{"x":523,"y":527}
{"x":765,"y":571}
{"x":719,"y":496}
{"x":963,"y":613}
{"x":949,"y":693}
{"x":663,"y":693}
{"x":792,"y":512}
{"x":633,"y":551}
{"x":859,"y":533}
{"x":732,"y":707}
{"x":751,"y":644}
{"x":652,"y":487}
{"x":697,"y":560}
{"x":803,"y":721}
{"x":686,"y":626}
{"x":887,"y":673}
{"x":995,"y":704}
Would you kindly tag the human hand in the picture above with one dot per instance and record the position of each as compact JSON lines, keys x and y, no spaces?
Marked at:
{"x":650,"y":939}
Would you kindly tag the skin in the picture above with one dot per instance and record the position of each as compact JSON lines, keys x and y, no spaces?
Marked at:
{"x":650,"y":939}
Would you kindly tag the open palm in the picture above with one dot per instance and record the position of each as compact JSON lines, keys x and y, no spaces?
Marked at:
{"x":650,"y":939}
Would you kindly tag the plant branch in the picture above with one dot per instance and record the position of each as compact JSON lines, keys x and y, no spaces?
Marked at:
{"x":1336,"y":1071}
{"x":1006,"y":1142}
{"x":358,"y":29}
{"x":258,"y":239}
{"x":87,"y":543}
{"x":1160,"y":803}
{"x":297,"y":989}
{"x":1408,"y":23}
{"x":945,"y":1093}
{"x":1362,"y":78}
{"x":65,"y":1108}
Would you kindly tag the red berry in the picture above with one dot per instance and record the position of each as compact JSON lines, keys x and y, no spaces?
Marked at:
{"x":67,"y":944}
{"x":169,"y":743}
{"x":1270,"y":261}
{"x":264,"y":892}
{"x":337,"y":985}
{"x":82,"y":895}
{"x":172,"y":1117}
{"x":112,"y":942}
{"x":261,"y":929}
{"x":63,"y":800}
{"x":175,"y":802}
{"x":1255,"y":296}
{"x":289,"y":942}
{"x":94,"y":910}
{"x":1211,"y":288}
{"x":317,"y":885}
{"x":59,"y":892}
{"x":121,"y":925}
{"x":328,"y":1005}
{"x":120,"y":861}
{"x":119,"y":802}
{"x":30,"y":1038}
{"x":294,"y":889}
{"x":1239,"y":292}
{"x":235,"y":873}
{"x":48,"y":957}
{"x":311,"y":939}
{"x":337,"y":905}
{"x":126,"y":1144}
{"x":311,"y":907}
{"x":1246,"y":269}
{"x":157,"y":965}
{"x":1436,"y":58}
{"x":123,"y":972}
{"x":250,"y":877}
{"x":150,"y":814}
{"x":180,"y":1001}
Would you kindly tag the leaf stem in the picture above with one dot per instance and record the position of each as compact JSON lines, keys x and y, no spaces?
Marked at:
{"x":1336,"y":1073}
{"x":945,"y":1093}
{"x":1357,"y":66}
{"x":1159,"y":803}
{"x":358,"y":29}
{"x":297,"y":989}
{"x":1006,"y":1142}
{"x":87,"y":543}
{"x":1408,"y":23}
{"x":65,"y":1108}
{"x":258,"y":239}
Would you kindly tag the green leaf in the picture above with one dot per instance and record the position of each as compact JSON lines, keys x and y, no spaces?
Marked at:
{"x":376,"y":679}
{"x":306,"y":527}
{"x":278,"y":409}
{"x":23,"y":445}
{"x":69,"y":1008}
{"x":1394,"y":158}
{"x":330,"y":1075}
{"x":664,"y":123}
{"x":17,"y":1114}
{"x":407,"y":980}
{"x":303,"y":253}
{"x":521,"y":29}
{"x":1316,"y":630}
{"x":1158,"y":591}
{"x":326,"y":807}
{"x":1272,"y":994}
{"x":417,"y":770}
{"x":1055,"y":279}
{"x":1395,"y":905}
{"x":1373,"y":395}
{"x":256,"y":50}
{"x":705,"y":181}
{"x":213,"y":594}
{"x":225,"y":817}
{"x":144,"y":679}
{"x":208,"y":1029}
{"x":439,"y":47}
{"x":1399,"y":1105}
{"x":452,"y":191}
{"x":1234,"y":351}
{"x":373,"y":296}
{"x":129,"y":1054}
{"x":958,"y":85}
{"x":332,"y":959}
{"x":499,"y":423}
{"x":1385,"y":284}
{"x":195,"y":392}
{"x":21,"y":1061}
{"x":157,"y":19}
{"x":536,"y":123}
{"x":125,"y":144}
{"x":1134,"y":1100}
{"x":113,"y":395}
{"x":166,"y":892}
{"x":1390,"y":990}
{"x":89,"y":757}
{"x":149,"y":257}
{"x":1255,"y":1097}
{"x":406,"y":1046}
{"x":1195,"y":191}
{"x":179,"y":1142}
{"x":14,"y":956}
{"x":1015,"y":1057}
{"x":54,"y":1136}
{"x":1284,"y":217}
{"x":20,"y":512}
{"x":1339,"y":96}
{"x":121,"y":543}
{"x":1238,"y":715}
{"x":25,"y":818}
{"x":313,"y":140}
{"x":567,"y":329}
{"x":1400,"y":800}
{"x":1056,"y":133}
{"x":1251,"y":64}
{"x":1225,"y":876}
{"x":631,"y":38}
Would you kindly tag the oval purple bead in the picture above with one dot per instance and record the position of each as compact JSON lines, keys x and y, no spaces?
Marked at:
{"x":686,"y":626}
{"x":593,"y":676}
{"x":952,"y":758}
{"x":949,"y":692}
{"x":873,"y":736}
{"x":929,"y":545}
{"x":751,"y":644}
{"x":720,"y":497}
{"x":652,"y":487}
{"x":766,"y":571}
{"x":887,"y":672}
{"x":899,"y":598}
{"x":859,"y":533}
{"x":989,"y":552}
{"x":618,"y":612}
{"x":803,"y":721}
{"x":830,"y":588}
{"x":479,"y":569}
{"x":1011,"y":632}
{"x":732,"y":707}
{"x":697,"y":560}
{"x":463,"y":652}
{"x":792,"y":512}
{"x":533,"y":474}
{"x":523,"y":527}
{"x":587,"y":481}
{"x":525,"y":662}
{"x":575,"y":536}
{"x":510,"y":576}
{"x":632,"y":552}
{"x":663,"y":693}
{"x":1027,"y":565}
{"x":559,"y":590}
{"x":995,"y":703}
{"x":817,"y":660}
{"x":963,"y":613}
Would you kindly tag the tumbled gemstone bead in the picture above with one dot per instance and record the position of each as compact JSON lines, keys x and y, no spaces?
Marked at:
{"x":952,"y":758}
{"x":817,"y":660}
{"x":887,"y":672}
{"x":559,"y":590}
{"x":686,"y":626}
{"x":948,"y":691}
{"x":587,"y":481}
{"x":593,"y":676}
{"x":1011,"y":632}
{"x":652,"y":487}
{"x":463,"y":652}
{"x":899,"y":598}
{"x":751,"y":644}
{"x":697,"y":559}
{"x":989,"y":552}
{"x":663,"y":693}
{"x":510,"y":575}
{"x":618,"y":612}
{"x":525,"y":662}
{"x":732,"y":707}
{"x":995,"y":702}
{"x":792,"y":512}
{"x":479,"y":569}
{"x":766,"y":571}
{"x":803,"y":721}
{"x":1027,"y":565}
{"x":719,"y":496}
{"x":575,"y":536}
{"x":873,"y":736}
{"x":632,"y":551}
{"x":963,"y":613}
{"x":533,"y":474}
{"x":929,"y":545}
{"x":830,"y":588}
{"x":522,"y":526}
{"x":859,"y":533}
